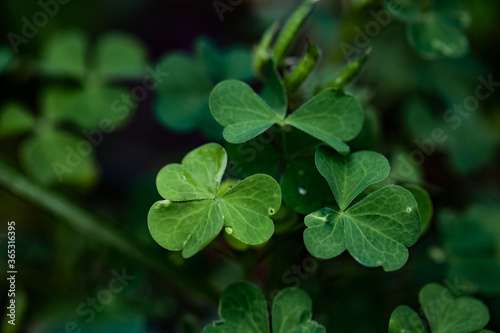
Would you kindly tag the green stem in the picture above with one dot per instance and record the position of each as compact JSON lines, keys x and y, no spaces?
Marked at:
{"x":79,"y":220}
{"x":283,"y":141}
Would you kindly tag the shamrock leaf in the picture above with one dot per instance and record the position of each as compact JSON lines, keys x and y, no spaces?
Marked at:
{"x":377,"y":229}
{"x":243,"y":309}
{"x":194,"y":210}
{"x":331,"y":116}
{"x":445,"y":313}
{"x":98,"y":99}
{"x":6,"y":57}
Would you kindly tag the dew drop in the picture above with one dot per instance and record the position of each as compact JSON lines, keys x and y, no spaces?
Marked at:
{"x":184,"y":178}
{"x":229,"y":230}
{"x":239,"y":181}
{"x":302,"y":190}
{"x":184,"y":243}
{"x":408,"y":209}
{"x":271,"y":211}
{"x":229,"y":187}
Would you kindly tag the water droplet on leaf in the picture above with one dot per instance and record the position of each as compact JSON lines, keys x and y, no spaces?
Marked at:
{"x":229,"y":230}
{"x":271,"y":211}
{"x":184,"y":178}
{"x":229,"y":187}
{"x":302,"y":190}
{"x":239,"y":181}
{"x":408,"y":209}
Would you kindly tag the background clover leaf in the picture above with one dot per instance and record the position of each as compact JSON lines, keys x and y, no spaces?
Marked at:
{"x":444,"y":311}
{"x":243,"y":309}
{"x":182,"y":99}
{"x":349,"y":175}
{"x":471,"y":241}
{"x":52,"y":157}
{"x":15,"y":119}
{"x":434,"y":30}
{"x":194,"y":210}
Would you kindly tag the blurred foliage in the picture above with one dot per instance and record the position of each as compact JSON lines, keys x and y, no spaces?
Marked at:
{"x":77,"y":69}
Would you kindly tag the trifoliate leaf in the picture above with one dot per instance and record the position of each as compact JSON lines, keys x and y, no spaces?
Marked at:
{"x":243,"y":309}
{"x":444,"y":311}
{"x":195,"y":210}
{"x":376,"y":231}
{"x":331,"y":116}
{"x":15,"y":119}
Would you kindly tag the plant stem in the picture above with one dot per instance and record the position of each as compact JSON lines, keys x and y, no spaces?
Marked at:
{"x":283,"y":141}
{"x":81,"y":221}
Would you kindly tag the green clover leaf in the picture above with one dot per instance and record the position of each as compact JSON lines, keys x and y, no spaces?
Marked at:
{"x":476,"y":262}
{"x":243,"y":309}
{"x":182,"y":99}
{"x":445,"y":313}
{"x":331,"y":116}
{"x":377,"y":229}
{"x":195,"y":209}
{"x":15,"y":119}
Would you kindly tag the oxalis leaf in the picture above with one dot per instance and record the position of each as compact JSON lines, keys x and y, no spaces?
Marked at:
{"x":376,"y":230}
{"x":331,"y":116}
{"x":445,"y":313}
{"x":243,"y":309}
{"x":192,"y":213}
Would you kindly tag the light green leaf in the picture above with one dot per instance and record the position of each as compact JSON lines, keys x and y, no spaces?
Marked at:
{"x":405,"y":320}
{"x":448,"y":313}
{"x":243,"y":309}
{"x":424,"y":202}
{"x":119,"y":55}
{"x":196,"y":209}
{"x":198,"y":177}
{"x":58,"y":157}
{"x":376,"y":231}
{"x":331,"y":116}
{"x":324,"y":237}
{"x":64,"y":54}
{"x":15,"y":119}
{"x":349,"y":175}
{"x":191,"y":225}
{"x":247,"y":208}
{"x":243,"y":113}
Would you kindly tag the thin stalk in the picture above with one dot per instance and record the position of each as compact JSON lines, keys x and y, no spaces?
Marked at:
{"x":81,"y":221}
